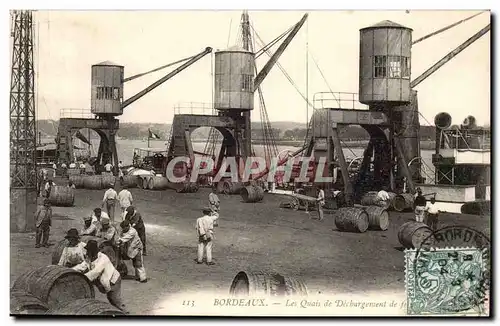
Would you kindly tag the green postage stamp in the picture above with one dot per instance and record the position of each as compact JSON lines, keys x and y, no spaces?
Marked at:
{"x":446,"y":281}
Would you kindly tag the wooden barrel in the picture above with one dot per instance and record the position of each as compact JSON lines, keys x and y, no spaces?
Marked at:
{"x":370,"y":199}
{"x":255,"y":284}
{"x":77,"y":180}
{"x":85,"y":307}
{"x":143,"y":181}
{"x":378,"y":218}
{"x":22,"y":303}
{"x":92,"y":182}
{"x":108,"y":180}
{"x":158,"y":183}
{"x":129,"y":180}
{"x":187,"y":187}
{"x":74,"y":171}
{"x":228,"y":187}
{"x":62,"y":196}
{"x":55,"y":284}
{"x":106,"y":249}
{"x":411,"y":234}
{"x":252,"y":194}
{"x":403,"y":202}
{"x":351,"y":219}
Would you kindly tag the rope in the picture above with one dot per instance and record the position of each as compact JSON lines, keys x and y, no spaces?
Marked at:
{"x":326,"y":82}
{"x":273,"y":42}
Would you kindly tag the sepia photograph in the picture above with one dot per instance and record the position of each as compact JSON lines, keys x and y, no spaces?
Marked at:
{"x":250,"y":163}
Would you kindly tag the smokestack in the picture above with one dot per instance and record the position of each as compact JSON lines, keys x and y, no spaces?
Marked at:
{"x":442,"y":120}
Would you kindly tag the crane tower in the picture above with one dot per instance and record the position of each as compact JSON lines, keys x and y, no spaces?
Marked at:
{"x":23,"y":176}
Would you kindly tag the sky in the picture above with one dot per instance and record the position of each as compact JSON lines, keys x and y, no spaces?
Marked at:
{"x":69,"y":42}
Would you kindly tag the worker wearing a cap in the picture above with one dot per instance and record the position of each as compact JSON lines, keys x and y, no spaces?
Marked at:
{"x":89,"y":228}
{"x":135,"y":220}
{"x":420,"y":203}
{"x":74,"y":252}
{"x":102,"y":273}
{"x":131,"y":244}
{"x":43,"y":221}
{"x":205,"y":233}
{"x":125,"y":199}
{"x":106,"y":230}
{"x":109,"y":201}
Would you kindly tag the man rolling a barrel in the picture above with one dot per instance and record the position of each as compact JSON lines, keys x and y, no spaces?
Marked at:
{"x":125,"y":199}
{"x":109,"y":201}
{"x":89,"y":228}
{"x":205,"y":232}
{"x":43,"y":221}
{"x":102,"y":273}
{"x":74,"y":252}
{"x":131,"y":245}
{"x":106,"y":231}
{"x":383,"y":198}
{"x":135,"y":220}
{"x":320,"y":202}
{"x":48,"y":187}
{"x":420,"y":203}
{"x":432,"y":214}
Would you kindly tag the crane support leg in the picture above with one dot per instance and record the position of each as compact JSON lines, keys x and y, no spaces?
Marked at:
{"x":343,"y":164}
{"x":403,"y":164}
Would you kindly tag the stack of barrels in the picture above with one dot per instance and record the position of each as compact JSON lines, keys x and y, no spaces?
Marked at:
{"x":252,"y":194}
{"x":370,"y":199}
{"x":361,"y":218}
{"x":45,"y":289}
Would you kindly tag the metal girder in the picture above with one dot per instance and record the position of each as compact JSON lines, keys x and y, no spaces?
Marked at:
{"x":359,"y":117}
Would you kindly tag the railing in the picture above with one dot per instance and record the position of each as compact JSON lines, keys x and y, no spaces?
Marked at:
{"x":76,"y":113}
{"x":337,"y":100}
{"x":474,"y":139}
{"x":194,"y":108}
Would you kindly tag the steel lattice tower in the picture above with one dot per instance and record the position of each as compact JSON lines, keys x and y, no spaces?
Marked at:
{"x":22,"y":104}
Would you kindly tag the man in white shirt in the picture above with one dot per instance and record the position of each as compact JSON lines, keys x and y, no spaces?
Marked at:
{"x":320,"y":202}
{"x":54,"y":167}
{"x":109,"y":201}
{"x":214,"y":202}
{"x":108,"y":167}
{"x":48,"y":187}
{"x":120,"y":167}
{"x":125,"y":199}
{"x":205,"y":232}
{"x":72,"y":165}
{"x":432,"y":214}
{"x":102,"y":273}
{"x":383,"y":198}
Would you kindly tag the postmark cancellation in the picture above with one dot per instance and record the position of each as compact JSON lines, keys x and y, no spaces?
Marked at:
{"x":447,"y":281}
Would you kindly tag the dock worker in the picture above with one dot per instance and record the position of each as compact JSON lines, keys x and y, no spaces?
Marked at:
{"x":108,"y":167}
{"x":72,"y":165}
{"x":43,"y":221}
{"x":102,"y":273}
{"x":54,"y":168}
{"x":432,"y":214}
{"x":125,"y":199}
{"x":48,"y":187}
{"x":214,"y":202}
{"x":383,"y":198}
{"x":106,"y":231}
{"x":109,"y":201}
{"x":420,"y":203}
{"x":205,"y":233}
{"x":320,"y":202}
{"x":135,"y":220}
{"x":89,"y":228}
{"x":120,"y":167}
{"x":74,"y":252}
{"x":131,"y":245}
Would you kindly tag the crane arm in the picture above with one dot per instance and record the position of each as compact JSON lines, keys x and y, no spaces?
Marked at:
{"x":272,"y":61}
{"x":449,"y":56}
{"x":445,"y":28}
{"x":156,"y":69}
{"x":167,"y":77}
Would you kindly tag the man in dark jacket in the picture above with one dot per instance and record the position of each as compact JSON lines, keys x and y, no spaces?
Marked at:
{"x":135,"y":220}
{"x":420,"y":203}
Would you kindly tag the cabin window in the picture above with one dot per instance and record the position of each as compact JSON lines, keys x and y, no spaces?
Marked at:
{"x":116,"y":93}
{"x":246,"y":83}
{"x":394,"y":66}
{"x":100,"y":93}
{"x":380,"y":66}
{"x":405,"y":67}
